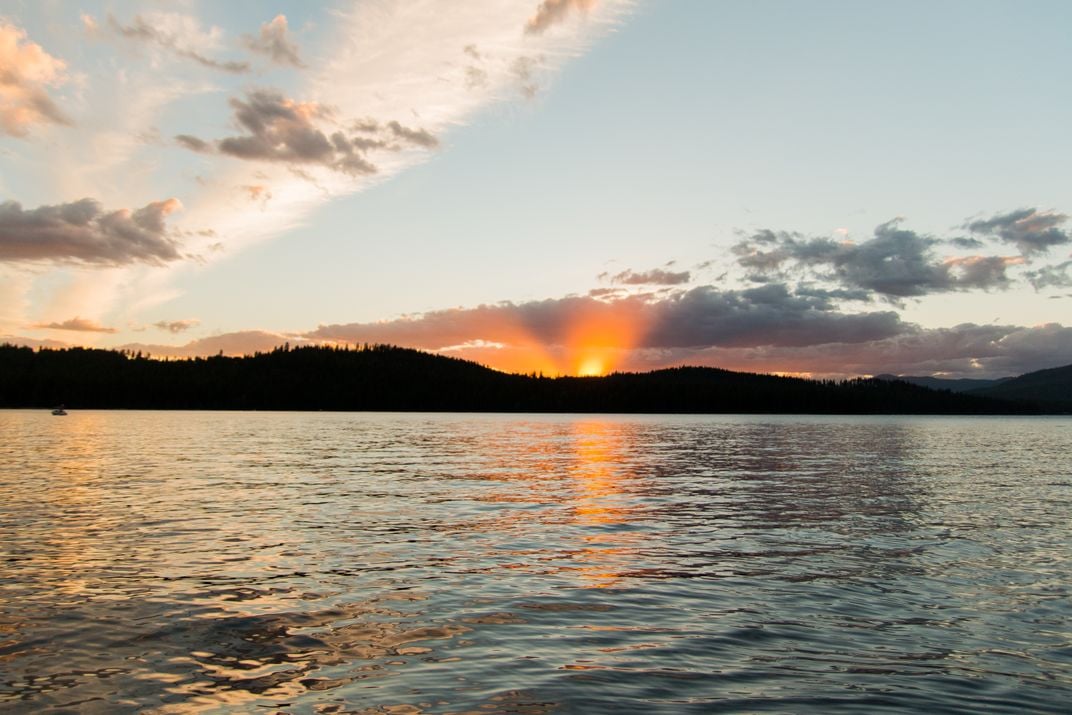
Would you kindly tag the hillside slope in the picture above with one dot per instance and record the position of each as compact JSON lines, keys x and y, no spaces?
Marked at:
{"x":1052,"y":386}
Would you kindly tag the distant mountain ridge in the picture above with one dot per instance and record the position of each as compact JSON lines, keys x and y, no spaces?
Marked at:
{"x":1050,"y":389}
{"x":380,"y":378}
{"x":963,"y":384}
{"x":1050,"y":386}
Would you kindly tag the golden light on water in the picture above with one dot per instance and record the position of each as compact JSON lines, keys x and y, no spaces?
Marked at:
{"x":607,"y":554}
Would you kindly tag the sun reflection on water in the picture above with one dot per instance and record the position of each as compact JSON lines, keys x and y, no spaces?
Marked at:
{"x":599,"y":474}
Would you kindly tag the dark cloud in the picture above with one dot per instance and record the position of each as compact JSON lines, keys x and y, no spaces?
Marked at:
{"x":177,"y":326}
{"x":769,"y":315}
{"x":656,"y":276}
{"x":895,"y":263}
{"x":366,"y":125}
{"x":82,"y":231}
{"x":552,"y":12}
{"x":832,"y":294}
{"x":982,"y":351}
{"x":606,"y":292}
{"x":194,"y":144}
{"x":143,"y":30}
{"x":282,"y":130}
{"x":418,"y":137}
{"x":274,"y":43}
{"x":279,"y":130}
{"x":1058,"y":276}
{"x":1030,"y":230}
{"x":77,"y":324}
{"x":703,"y":316}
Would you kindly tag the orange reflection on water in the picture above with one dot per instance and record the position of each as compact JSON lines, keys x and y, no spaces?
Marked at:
{"x":80,"y":525}
{"x":602,"y":502}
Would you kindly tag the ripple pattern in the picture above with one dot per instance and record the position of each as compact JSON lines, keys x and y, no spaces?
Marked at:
{"x":433,"y":563}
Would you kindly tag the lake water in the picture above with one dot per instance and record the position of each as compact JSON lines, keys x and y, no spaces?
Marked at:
{"x":408,"y":563}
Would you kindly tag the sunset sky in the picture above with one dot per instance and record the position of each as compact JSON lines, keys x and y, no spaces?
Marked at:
{"x":566,"y":186}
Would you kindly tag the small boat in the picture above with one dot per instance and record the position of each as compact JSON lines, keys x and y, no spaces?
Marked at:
{"x":59,"y":411}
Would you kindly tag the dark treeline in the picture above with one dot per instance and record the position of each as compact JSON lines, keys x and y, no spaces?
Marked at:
{"x":390,"y":378}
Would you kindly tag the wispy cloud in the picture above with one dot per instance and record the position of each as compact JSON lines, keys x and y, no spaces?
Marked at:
{"x":274,"y":42}
{"x":179,"y":34}
{"x":552,"y":12}
{"x":405,"y":62}
{"x":76,"y":324}
{"x":1030,"y":230}
{"x":177,"y":326}
{"x":656,"y":276}
{"x":1056,"y":276}
{"x":26,"y":71}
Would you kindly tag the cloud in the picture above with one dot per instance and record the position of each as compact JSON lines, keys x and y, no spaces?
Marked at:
{"x":82,"y":231}
{"x":552,"y":12}
{"x":703,"y":316}
{"x":194,"y":144}
{"x":76,"y":324}
{"x":177,"y":326}
{"x":968,"y":350}
{"x":26,"y":70}
{"x":895,"y":263}
{"x":418,"y":137}
{"x":282,"y":130}
{"x":1030,"y":230}
{"x":179,"y":34}
{"x":273,"y":43}
{"x":524,"y":70}
{"x":655,"y":276}
{"x":1058,"y":276}
{"x":258,"y":192}
{"x":963,"y":242}
{"x":769,"y":315}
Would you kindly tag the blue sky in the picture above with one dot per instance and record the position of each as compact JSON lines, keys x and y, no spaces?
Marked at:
{"x":579,"y":158}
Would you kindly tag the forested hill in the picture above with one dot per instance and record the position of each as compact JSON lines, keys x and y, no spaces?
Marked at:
{"x":1052,"y":387}
{"x":391,"y":378}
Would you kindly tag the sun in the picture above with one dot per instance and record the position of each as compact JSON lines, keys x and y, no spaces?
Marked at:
{"x":592,"y":366}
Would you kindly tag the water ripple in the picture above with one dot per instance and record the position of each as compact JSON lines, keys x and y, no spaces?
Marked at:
{"x":407,"y":563}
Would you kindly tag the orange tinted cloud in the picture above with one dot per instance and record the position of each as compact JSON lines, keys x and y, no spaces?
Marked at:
{"x":76,"y":324}
{"x":572,"y":335}
{"x":25,"y":72}
{"x":584,"y":335}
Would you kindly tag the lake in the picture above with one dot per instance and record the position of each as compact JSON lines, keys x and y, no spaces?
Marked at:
{"x":444,"y":563}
